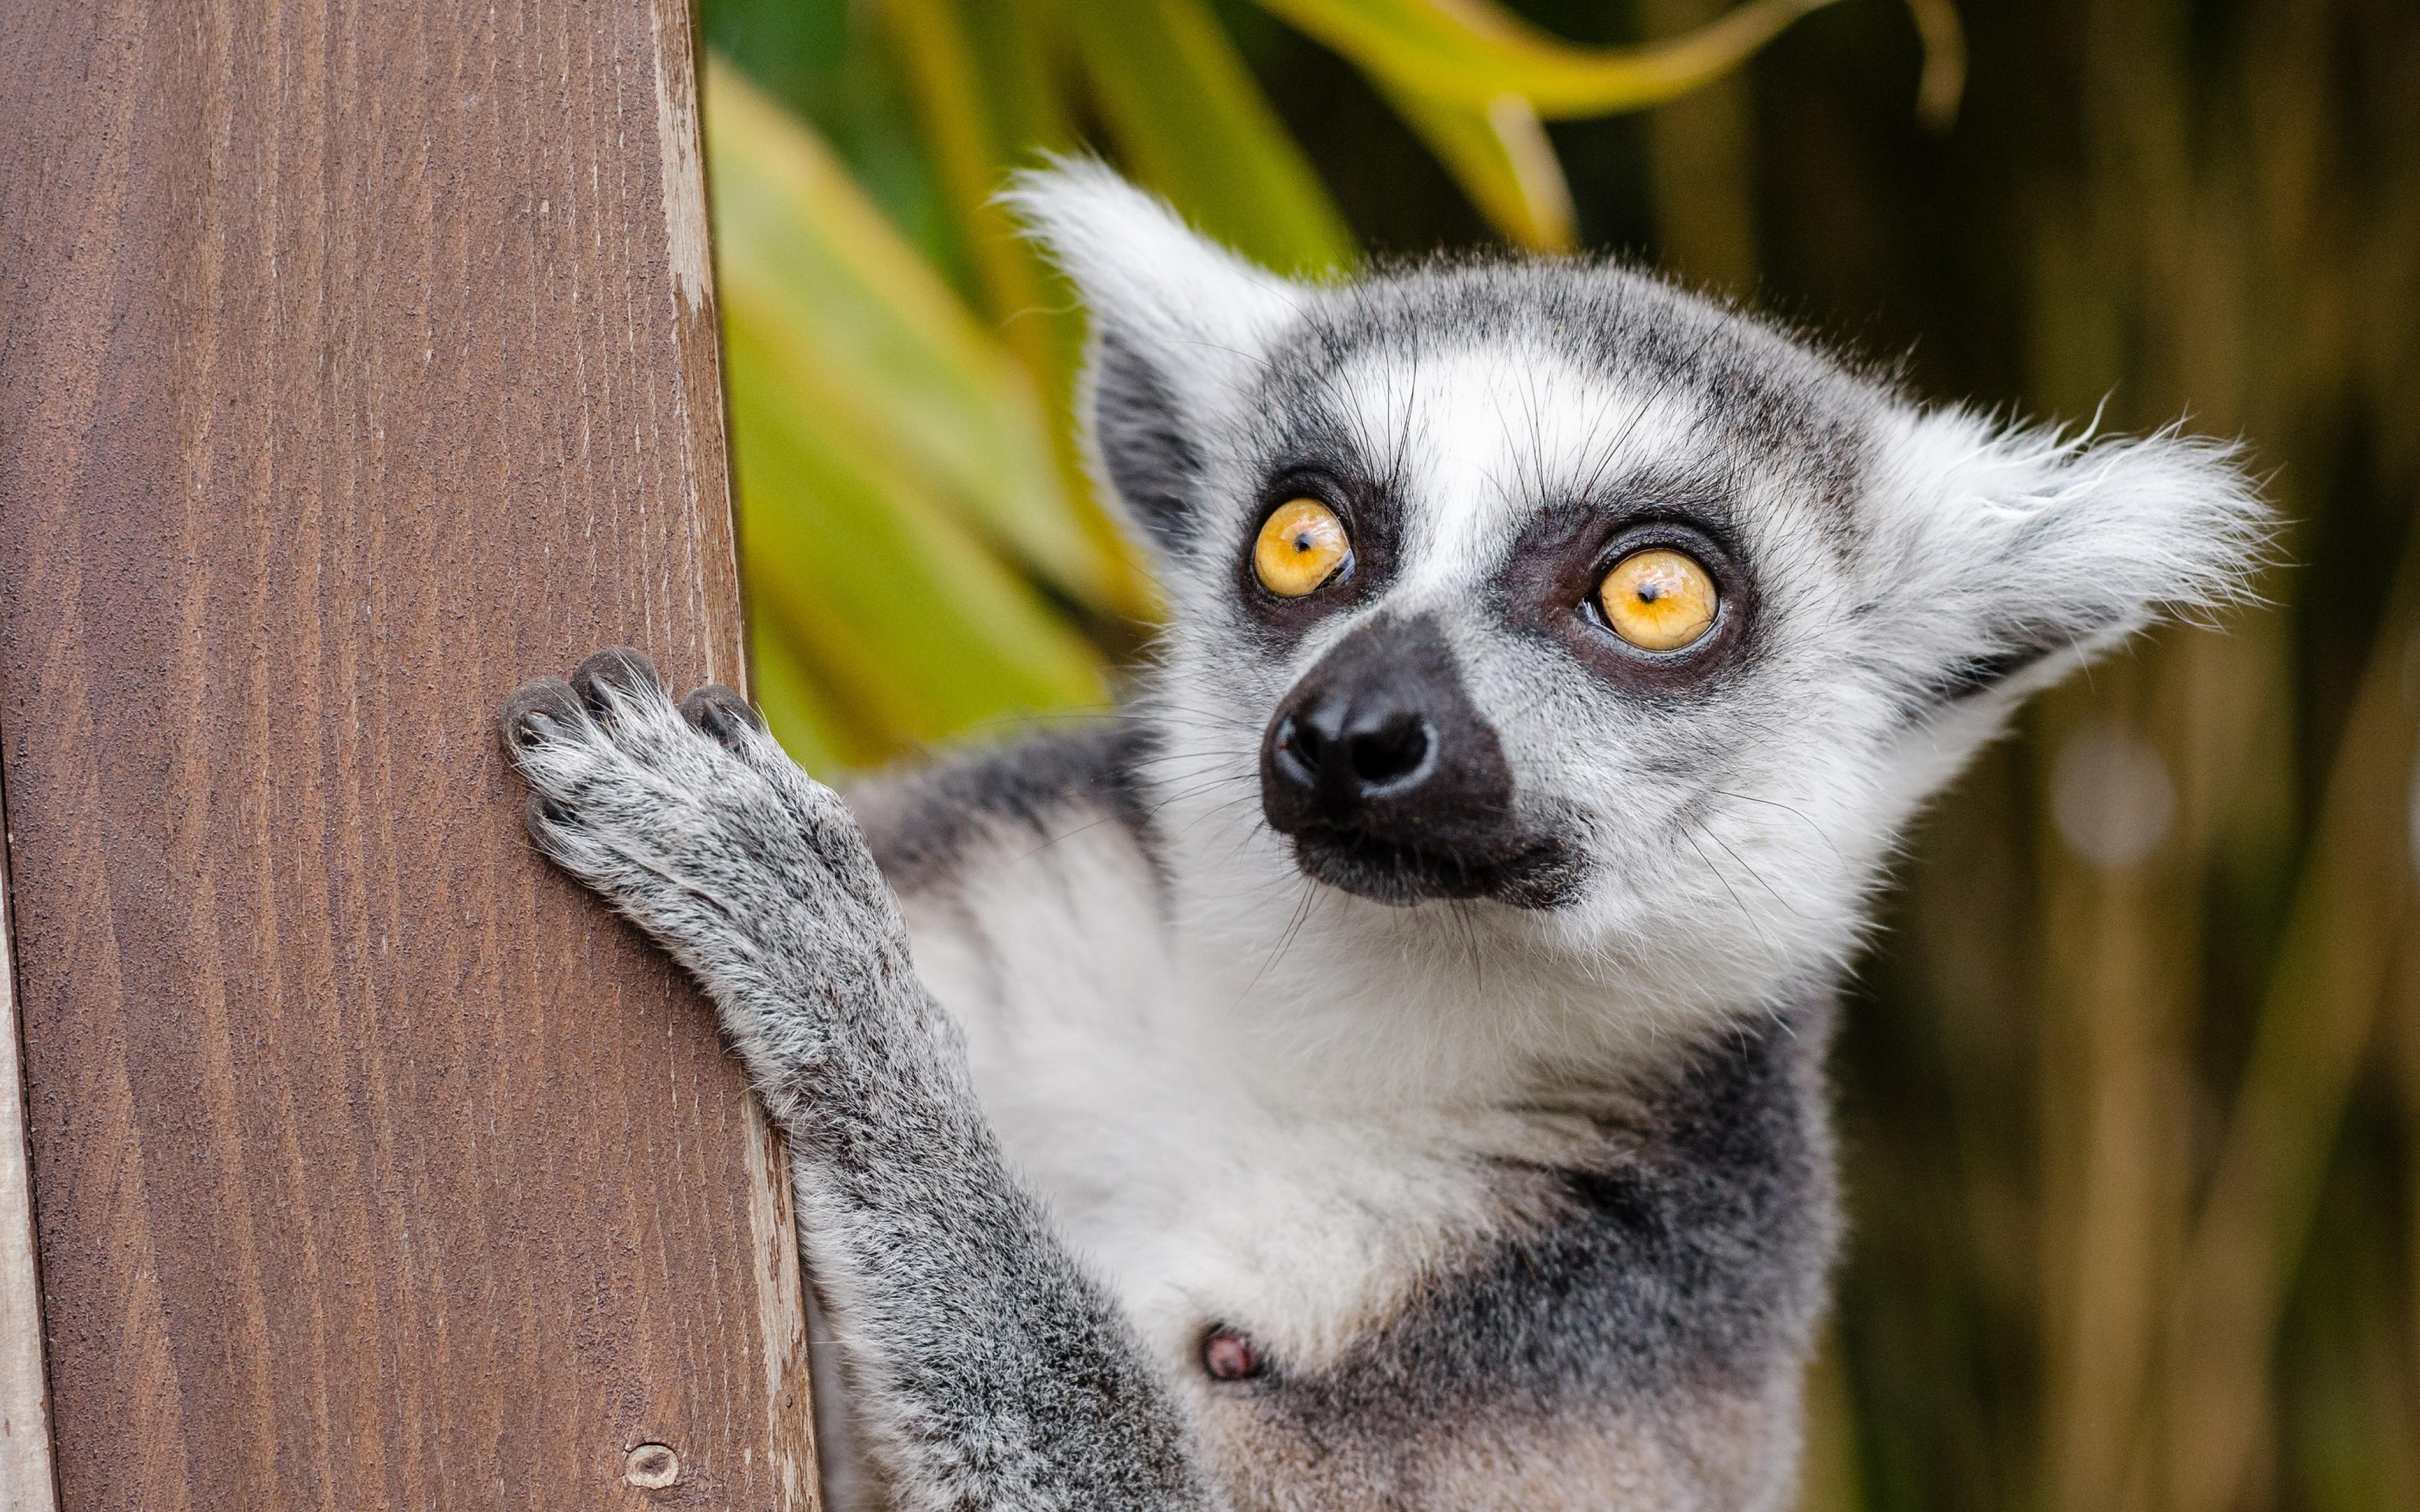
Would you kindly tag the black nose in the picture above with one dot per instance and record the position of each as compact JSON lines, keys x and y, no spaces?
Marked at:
{"x":1381,"y":740}
{"x":1348,"y":749}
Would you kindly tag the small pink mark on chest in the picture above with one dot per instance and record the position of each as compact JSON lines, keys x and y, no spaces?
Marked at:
{"x":1228,"y":1355}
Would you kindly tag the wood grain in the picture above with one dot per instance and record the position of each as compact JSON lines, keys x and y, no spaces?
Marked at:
{"x":356,"y":363}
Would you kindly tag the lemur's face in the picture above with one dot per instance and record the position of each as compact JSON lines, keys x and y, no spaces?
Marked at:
{"x":1547,"y":584}
{"x":1510,"y":598}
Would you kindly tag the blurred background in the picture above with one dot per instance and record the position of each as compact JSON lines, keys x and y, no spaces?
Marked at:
{"x":2130,"y":1085}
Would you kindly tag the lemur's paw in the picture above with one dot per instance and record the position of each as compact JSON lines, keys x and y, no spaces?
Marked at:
{"x":690,"y":819}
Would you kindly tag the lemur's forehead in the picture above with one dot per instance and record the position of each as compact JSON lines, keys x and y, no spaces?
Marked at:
{"x":1479,"y":395}
{"x":1476,"y":441}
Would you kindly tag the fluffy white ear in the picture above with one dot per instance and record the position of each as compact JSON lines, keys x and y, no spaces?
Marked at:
{"x":2005,"y":557}
{"x":1139,"y":268}
{"x":1178,"y":326}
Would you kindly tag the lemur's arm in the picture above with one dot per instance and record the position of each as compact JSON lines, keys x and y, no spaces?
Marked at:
{"x":994,"y":1372}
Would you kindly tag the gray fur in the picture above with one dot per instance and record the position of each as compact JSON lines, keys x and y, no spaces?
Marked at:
{"x":1513,"y":1195}
{"x":921,"y":824}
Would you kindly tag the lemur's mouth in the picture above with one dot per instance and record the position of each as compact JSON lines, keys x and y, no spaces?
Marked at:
{"x":1540,"y":873}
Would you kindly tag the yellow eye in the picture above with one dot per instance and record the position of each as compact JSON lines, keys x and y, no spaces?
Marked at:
{"x":1658,"y":600}
{"x":1302,"y":545}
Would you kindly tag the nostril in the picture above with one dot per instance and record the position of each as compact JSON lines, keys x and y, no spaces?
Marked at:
{"x":1298,"y":750}
{"x":1303,"y":739}
{"x":1390,"y":751}
{"x":1341,"y":756}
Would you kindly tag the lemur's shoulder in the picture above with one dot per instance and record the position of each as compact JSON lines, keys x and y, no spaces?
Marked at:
{"x":926,"y":825}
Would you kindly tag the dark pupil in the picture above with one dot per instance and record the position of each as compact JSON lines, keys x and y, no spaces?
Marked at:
{"x":1649,"y":593}
{"x":1302,"y":541}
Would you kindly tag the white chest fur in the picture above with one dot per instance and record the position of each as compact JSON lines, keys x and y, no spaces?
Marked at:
{"x":1146,"y":1114}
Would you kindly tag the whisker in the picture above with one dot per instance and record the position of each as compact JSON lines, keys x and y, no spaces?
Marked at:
{"x":1708,"y":831}
{"x":1799,"y":815}
{"x":1736,"y":901}
{"x":1294,"y":927}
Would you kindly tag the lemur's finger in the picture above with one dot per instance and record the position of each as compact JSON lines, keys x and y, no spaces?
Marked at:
{"x":723,"y":714}
{"x":540,"y":710}
{"x":727,"y":719}
{"x":621,"y":673}
{"x":546,"y":817}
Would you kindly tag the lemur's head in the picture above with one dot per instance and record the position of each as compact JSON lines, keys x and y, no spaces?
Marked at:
{"x":1547,"y":584}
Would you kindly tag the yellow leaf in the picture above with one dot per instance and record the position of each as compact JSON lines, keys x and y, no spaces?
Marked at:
{"x":915,"y":629}
{"x":983,"y":88}
{"x":1501,"y":158}
{"x":894,"y":481}
{"x":1470,"y":53}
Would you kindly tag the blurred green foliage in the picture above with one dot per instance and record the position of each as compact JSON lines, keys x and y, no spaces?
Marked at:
{"x":2130,"y":1141}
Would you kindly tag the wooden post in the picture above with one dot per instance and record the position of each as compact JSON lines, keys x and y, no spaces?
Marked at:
{"x":357,"y":361}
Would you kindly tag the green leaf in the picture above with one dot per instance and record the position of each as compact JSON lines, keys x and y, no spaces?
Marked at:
{"x":816,"y":732}
{"x":1028,"y":68}
{"x":1469,"y":53}
{"x":894,"y":483}
{"x":982,"y":79}
{"x":1194,"y":125}
{"x":865,"y":337}
{"x":952,"y":102}
{"x":1502,"y":160}
{"x":914,"y":629}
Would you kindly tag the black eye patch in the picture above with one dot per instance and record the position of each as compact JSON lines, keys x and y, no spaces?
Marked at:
{"x":1372,"y":513}
{"x":1548,"y":586}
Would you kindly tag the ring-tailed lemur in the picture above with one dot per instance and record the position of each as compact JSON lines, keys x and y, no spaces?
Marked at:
{"x":1383,"y":1066}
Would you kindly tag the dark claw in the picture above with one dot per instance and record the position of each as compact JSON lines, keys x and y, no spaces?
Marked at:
{"x":720,"y":713}
{"x":542,"y":813}
{"x":536,"y":710}
{"x":624,"y":670}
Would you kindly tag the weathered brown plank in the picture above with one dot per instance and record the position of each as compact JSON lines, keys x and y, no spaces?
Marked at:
{"x":356,"y":361}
